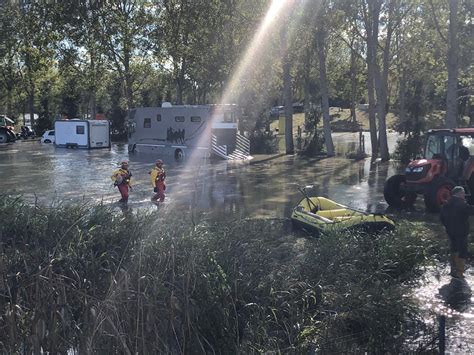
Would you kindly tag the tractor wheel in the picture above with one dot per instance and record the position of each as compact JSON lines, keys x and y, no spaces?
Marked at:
{"x":438,"y":194}
{"x":178,"y":155}
{"x":3,"y":137}
{"x":394,"y":195}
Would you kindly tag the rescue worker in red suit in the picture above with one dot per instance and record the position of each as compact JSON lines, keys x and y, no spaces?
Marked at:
{"x":455,"y":217}
{"x":122,"y":179}
{"x":157,"y":177}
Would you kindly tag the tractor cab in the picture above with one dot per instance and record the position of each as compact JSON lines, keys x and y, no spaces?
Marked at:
{"x":448,"y":161}
{"x":451,"y":149}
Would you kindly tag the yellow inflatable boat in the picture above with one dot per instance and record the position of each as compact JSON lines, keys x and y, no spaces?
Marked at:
{"x":320,"y":214}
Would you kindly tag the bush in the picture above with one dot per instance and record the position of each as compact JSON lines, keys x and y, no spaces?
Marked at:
{"x":314,"y":142}
{"x":408,"y":148}
{"x":263,"y":143}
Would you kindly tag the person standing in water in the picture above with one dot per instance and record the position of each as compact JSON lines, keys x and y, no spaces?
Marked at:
{"x":455,"y":218}
{"x":122,"y":179}
{"x":157,"y":177}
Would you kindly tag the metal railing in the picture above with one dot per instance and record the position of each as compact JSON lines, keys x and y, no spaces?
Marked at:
{"x":243,"y":144}
{"x":241,"y":151}
{"x":219,"y":150}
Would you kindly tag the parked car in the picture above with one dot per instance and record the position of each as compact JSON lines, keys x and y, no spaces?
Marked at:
{"x":298,"y":107}
{"x":276,"y":111}
{"x":48,"y":137}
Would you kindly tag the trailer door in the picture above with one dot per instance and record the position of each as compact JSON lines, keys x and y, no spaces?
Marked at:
{"x":99,"y":135}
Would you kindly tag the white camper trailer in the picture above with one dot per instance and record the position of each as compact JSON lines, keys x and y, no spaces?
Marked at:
{"x":203,"y":130}
{"x":82,"y":133}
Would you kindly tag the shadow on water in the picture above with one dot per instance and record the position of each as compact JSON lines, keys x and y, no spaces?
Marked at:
{"x":457,"y":294}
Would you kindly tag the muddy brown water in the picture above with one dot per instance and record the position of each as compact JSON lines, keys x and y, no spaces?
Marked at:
{"x":263,"y":188}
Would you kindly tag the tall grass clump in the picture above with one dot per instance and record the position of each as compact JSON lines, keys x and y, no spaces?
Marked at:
{"x":95,"y":280}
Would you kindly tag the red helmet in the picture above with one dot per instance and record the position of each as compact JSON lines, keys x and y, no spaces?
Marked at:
{"x":159,"y":161}
{"x":124,"y":162}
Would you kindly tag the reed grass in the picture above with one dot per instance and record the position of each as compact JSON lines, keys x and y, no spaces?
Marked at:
{"x":88,"y":278}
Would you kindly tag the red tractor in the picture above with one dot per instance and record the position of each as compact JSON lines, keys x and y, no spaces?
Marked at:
{"x":447,"y":162}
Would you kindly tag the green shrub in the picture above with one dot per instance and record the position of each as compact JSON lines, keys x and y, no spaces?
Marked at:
{"x":263,"y":143}
{"x":314,"y":141}
{"x":408,"y":148}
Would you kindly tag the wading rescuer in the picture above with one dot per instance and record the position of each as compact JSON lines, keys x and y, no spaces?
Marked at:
{"x":455,"y":217}
{"x":157,"y":177}
{"x":122,"y":179}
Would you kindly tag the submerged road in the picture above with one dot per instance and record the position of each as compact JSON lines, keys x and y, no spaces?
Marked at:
{"x":264,"y":189}
{"x":235,"y":190}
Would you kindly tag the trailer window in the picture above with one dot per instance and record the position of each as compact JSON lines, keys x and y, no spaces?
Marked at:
{"x":158,"y":118}
{"x":147,"y":123}
{"x":195,"y":119}
{"x":80,"y":130}
{"x":179,"y":118}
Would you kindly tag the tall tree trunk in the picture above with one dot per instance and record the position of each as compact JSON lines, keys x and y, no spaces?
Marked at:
{"x":180,"y":83}
{"x":31,"y":91}
{"x":381,"y":85}
{"x":324,"y":92}
{"x":307,"y":69}
{"x":8,"y":105}
{"x":93,"y":103}
{"x":402,"y":89}
{"x":353,"y":70}
{"x":10,"y":85}
{"x":453,"y":48}
{"x":372,"y":39}
{"x":93,"y":90}
{"x":287,"y":97}
{"x":31,"y":105}
{"x":127,"y":56}
{"x":128,"y":77}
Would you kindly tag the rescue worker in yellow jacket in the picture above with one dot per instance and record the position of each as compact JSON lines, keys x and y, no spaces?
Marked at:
{"x":122,"y":179}
{"x":157,"y":177}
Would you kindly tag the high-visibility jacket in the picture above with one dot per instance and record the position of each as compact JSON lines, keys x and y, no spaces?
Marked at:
{"x":156,"y":175}
{"x":125,"y":177}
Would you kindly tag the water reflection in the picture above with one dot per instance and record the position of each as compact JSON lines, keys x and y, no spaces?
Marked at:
{"x":439,"y":295}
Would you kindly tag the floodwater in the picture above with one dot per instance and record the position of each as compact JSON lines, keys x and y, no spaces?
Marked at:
{"x":261,"y":188}
{"x":266,"y":187}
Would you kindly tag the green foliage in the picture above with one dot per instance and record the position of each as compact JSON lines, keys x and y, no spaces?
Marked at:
{"x":188,"y":51}
{"x":263,"y":143}
{"x":314,"y":142}
{"x":408,"y":148}
{"x":262,"y":139}
{"x":89,"y":278}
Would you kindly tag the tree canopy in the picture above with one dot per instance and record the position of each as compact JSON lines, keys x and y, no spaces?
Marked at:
{"x":77,"y":59}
